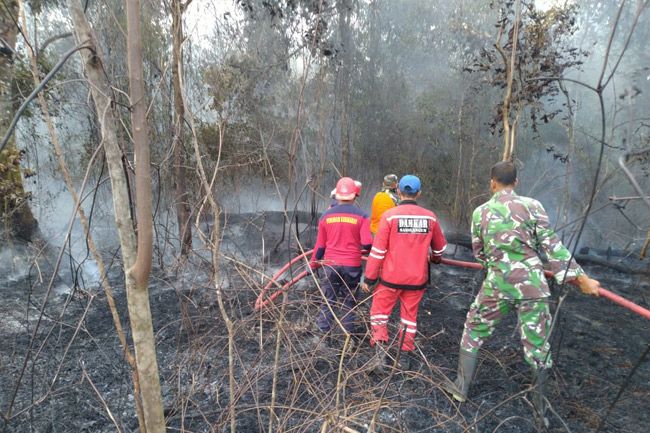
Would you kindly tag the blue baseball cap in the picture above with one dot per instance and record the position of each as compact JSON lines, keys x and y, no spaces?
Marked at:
{"x":409,"y":184}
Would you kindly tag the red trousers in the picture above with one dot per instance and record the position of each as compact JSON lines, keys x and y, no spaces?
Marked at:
{"x":383,"y":301}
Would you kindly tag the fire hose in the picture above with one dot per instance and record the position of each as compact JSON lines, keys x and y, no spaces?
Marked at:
{"x":263,"y":300}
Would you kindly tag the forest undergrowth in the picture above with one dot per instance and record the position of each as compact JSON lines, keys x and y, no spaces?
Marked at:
{"x":77,"y":379}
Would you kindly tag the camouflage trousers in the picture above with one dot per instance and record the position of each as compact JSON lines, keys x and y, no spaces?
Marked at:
{"x":487,"y":310}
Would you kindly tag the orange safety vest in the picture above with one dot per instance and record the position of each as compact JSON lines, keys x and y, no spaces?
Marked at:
{"x":382,"y":201}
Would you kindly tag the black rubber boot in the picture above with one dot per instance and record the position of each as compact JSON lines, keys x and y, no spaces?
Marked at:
{"x":539,"y":401}
{"x":467,"y":362}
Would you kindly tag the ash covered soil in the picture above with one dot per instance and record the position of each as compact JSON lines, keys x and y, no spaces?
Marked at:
{"x":76,"y":379}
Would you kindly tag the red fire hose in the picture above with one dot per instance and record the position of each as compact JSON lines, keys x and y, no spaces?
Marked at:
{"x":625,"y":303}
{"x":602,"y":292}
{"x":261,"y":302}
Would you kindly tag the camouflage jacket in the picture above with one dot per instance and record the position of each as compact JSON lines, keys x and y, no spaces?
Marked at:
{"x":508,"y":233}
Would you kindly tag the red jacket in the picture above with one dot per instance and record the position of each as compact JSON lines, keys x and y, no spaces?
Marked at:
{"x":399,"y":257}
{"x":343,"y":231}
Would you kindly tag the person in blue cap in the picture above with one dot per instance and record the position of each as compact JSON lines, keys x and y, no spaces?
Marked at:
{"x":408,"y":238}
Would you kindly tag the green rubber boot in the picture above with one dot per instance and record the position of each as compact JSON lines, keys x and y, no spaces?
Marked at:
{"x":467,"y":362}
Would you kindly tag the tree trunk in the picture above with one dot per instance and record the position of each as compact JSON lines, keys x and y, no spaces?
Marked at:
{"x":570,"y":131}
{"x":509,"y":130}
{"x":459,"y":195}
{"x":182,"y":205}
{"x":136,"y":267}
{"x":16,"y":216}
{"x":85,"y":222}
{"x":344,"y":8}
{"x":138,"y":293}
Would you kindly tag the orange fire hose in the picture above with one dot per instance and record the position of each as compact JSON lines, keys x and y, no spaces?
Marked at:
{"x":261,"y":302}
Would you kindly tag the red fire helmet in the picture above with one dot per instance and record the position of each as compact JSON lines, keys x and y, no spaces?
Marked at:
{"x":346,"y":189}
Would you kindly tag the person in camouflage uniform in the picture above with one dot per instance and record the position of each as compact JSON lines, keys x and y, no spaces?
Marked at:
{"x":508,"y":232}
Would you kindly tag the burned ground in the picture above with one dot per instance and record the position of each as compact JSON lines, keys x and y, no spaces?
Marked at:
{"x":77,"y":380}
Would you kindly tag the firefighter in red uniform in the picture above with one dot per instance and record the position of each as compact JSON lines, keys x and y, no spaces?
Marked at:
{"x":343,"y":232}
{"x":409,"y":236}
